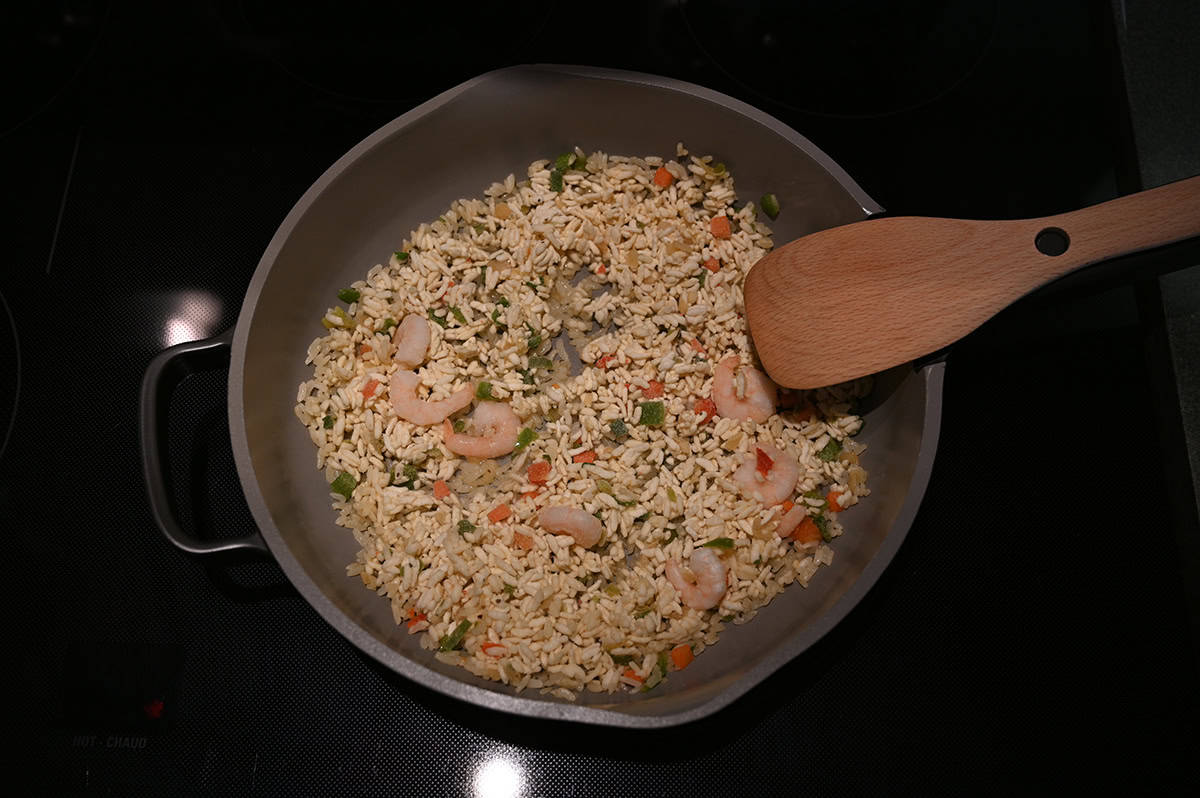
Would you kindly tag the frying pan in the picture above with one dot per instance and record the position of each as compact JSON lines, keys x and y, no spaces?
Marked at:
{"x":409,"y":171}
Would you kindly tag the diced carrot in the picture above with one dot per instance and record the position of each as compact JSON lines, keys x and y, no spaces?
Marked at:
{"x":523,"y":541}
{"x":529,"y":494}
{"x":499,"y":513}
{"x":538,"y":472}
{"x":603,"y":362}
{"x":451,"y":283}
{"x":663,"y":178}
{"x":440,"y":489}
{"x":762,"y":462}
{"x":708,"y":407}
{"x":807,"y":532}
{"x":720,"y":227}
{"x":712,"y":264}
{"x":489,"y":648}
{"x":364,"y":348}
{"x":832,"y":499}
{"x":653,"y":390}
{"x":787,"y":506}
{"x":414,"y":617}
{"x":585,"y":457}
{"x":369,"y":389}
{"x":682,"y":656}
{"x":630,"y":673}
{"x":695,"y":344}
{"x":601,"y":269}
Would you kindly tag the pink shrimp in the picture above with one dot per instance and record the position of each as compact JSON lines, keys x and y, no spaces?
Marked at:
{"x":579,"y":524}
{"x":496,"y":428}
{"x":742,"y":392}
{"x":701,"y":585}
{"x":402,"y":390}
{"x":412,"y":341}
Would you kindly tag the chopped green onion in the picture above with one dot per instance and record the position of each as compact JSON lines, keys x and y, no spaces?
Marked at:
{"x":349,"y":295}
{"x":510,"y":589}
{"x":642,"y":612}
{"x":458,"y":315}
{"x":535,"y":338}
{"x":617,"y":429}
{"x":622,"y":659}
{"x":465,"y":527}
{"x":629,"y":503}
{"x":671,"y":493}
{"x":612,"y":590}
{"x":662,"y":662}
{"x":344,"y":484}
{"x":823,"y":524}
{"x":344,"y":319}
{"x":539,"y":362}
{"x":479,"y":228}
{"x":532,"y":287}
{"x":813,"y":494}
{"x":525,"y":437}
{"x":387,"y":325}
{"x":718,"y":543}
{"x":580,"y":163}
{"x":770,"y":205}
{"x":503,"y":301}
{"x":438,"y":320}
{"x":718,"y":168}
{"x":603,"y":485}
{"x":411,"y":472}
{"x":400,"y":256}
{"x":556,"y":183}
{"x":642,"y":517}
{"x":455,"y":638}
{"x":527,"y":376}
{"x":484,"y":390}
{"x":496,"y":320}
{"x":459,"y":425}
{"x":830,"y":450}
{"x":562,"y":162}
{"x":653,"y":414}
{"x":701,"y":278}
{"x":328,"y":422}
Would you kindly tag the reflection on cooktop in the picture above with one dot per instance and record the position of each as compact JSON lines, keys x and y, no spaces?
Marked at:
{"x":850,"y":59}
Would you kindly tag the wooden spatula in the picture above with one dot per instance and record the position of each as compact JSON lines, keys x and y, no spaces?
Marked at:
{"x":857,"y":299}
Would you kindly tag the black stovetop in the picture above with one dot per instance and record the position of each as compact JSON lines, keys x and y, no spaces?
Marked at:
{"x":1034,"y":630}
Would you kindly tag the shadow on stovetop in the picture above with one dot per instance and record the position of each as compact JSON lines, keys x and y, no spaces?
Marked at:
{"x":685,"y":742}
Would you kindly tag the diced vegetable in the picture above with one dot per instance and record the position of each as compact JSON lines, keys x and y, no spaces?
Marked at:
{"x":706,"y":408}
{"x":539,"y":472}
{"x":787,"y":506}
{"x":535,"y":338}
{"x":503,"y":302}
{"x":556,"y":181}
{"x":349,"y":295}
{"x":695,"y":344}
{"x":400,"y":256}
{"x":616,"y":428}
{"x":830,"y":450}
{"x":682,"y":656}
{"x":510,"y":589}
{"x":603,"y":361}
{"x":489,"y":649}
{"x":563,"y":162}
{"x":499,"y":513}
{"x":720,"y":227}
{"x":525,"y":437}
{"x":585,"y":457}
{"x":718,"y":168}
{"x":387,"y":325}
{"x":484,"y":390}
{"x":436,"y":319}
{"x":368,"y":390}
{"x":414,"y":617}
{"x":523,"y":541}
{"x":663,"y":178}
{"x":712,"y":264}
{"x":701,"y":278}
{"x":343,"y":319}
{"x":479,"y":227}
{"x":458,"y":315}
{"x":459,"y":425}
{"x":540,"y":363}
{"x":630,"y":673}
{"x":653,"y":389}
{"x":496,"y":320}
{"x":719,"y":543}
{"x":344,"y":484}
{"x":653,"y":414}
{"x":831,"y":499}
{"x":327,"y":422}
{"x":411,"y":472}
{"x":807,"y":532}
{"x":770,"y":205}
{"x":621,"y":659}
{"x":465,"y":527}
{"x":603,"y":485}
{"x":642,"y":612}
{"x":763,"y":463}
{"x":455,"y":638}
{"x":823,"y":525}
{"x":580,"y":163}
{"x":531,"y":493}
{"x":612,"y":590}
{"x":441,"y":490}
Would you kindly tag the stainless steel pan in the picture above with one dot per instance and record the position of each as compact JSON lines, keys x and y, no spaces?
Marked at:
{"x":409,"y":171}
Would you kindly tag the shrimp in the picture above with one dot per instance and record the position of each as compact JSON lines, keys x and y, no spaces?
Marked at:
{"x":579,"y":524}
{"x":701,"y":585}
{"x":412,"y":341}
{"x":497,"y":427}
{"x":767,"y":474}
{"x":403,"y":393}
{"x":790,"y":520}
{"x":744,"y":393}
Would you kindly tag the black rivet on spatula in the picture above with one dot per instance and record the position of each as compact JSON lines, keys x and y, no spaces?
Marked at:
{"x":1052,"y":241}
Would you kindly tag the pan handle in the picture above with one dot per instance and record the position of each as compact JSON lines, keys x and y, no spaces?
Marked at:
{"x":164,"y":373}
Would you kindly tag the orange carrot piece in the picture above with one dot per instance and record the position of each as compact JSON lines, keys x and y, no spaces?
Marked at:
{"x":539,"y":472}
{"x":523,"y":541}
{"x":762,"y":463}
{"x":499,"y":513}
{"x":807,"y":532}
{"x":488,"y":648}
{"x":368,"y":390}
{"x":364,"y":348}
{"x":603,"y":362}
{"x":529,"y":494}
{"x":682,"y":656}
{"x":630,"y":673}
{"x":586,"y":457}
{"x":663,"y":178}
{"x":708,"y":407}
{"x":831,"y":499}
{"x":695,"y":344}
{"x":414,"y":617}
{"x":601,"y":269}
{"x":440,"y":489}
{"x":712,"y":264}
{"x":653,"y":390}
{"x":787,"y":506}
{"x":720,"y":227}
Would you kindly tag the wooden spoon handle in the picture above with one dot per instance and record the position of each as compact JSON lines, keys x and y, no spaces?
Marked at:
{"x":1122,"y":226}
